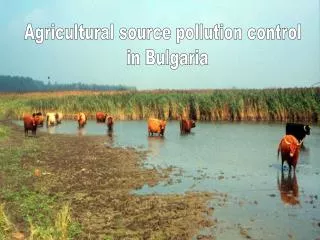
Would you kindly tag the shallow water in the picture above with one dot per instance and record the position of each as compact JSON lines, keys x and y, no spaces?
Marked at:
{"x":238,"y":159}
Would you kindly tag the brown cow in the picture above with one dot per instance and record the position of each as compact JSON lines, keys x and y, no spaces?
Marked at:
{"x":101,"y":117}
{"x":30,"y":122}
{"x":82,"y":119}
{"x":289,"y":148}
{"x":289,"y":189}
{"x":186,"y":125}
{"x":109,"y":122}
{"x":156,"y":126}
{"x":41,"y":118}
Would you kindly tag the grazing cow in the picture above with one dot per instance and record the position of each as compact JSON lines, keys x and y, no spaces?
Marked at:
{"x":186,"y":125}
{"x":289,"y":148}
{"x":30,"y":122}
{"x":59,"y":117}
{"x":156,"y":126}
{"x":298,"y":130}
{"x":101,"y":117}
{"x":289,"y":189}
{"x":109,"y":122}
{"x":40,"y":117}
{"x":82,"y":119}
{"x":51,"y":119}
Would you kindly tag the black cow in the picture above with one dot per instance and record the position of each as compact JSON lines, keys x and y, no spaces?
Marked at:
{"x":298,"y":130}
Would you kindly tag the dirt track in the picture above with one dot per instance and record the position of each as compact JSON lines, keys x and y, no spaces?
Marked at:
{"x":98,"y":181}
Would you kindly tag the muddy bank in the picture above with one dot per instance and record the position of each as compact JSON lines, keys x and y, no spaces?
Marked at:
{"x":97,"y":182}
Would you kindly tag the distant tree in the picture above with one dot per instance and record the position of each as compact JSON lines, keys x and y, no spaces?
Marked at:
{"x":26,"y":84}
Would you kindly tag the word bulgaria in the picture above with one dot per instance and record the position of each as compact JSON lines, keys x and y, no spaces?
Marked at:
{"x":174,"y":60}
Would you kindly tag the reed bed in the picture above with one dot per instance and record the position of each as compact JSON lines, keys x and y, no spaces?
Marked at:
{"x":290,"y":104}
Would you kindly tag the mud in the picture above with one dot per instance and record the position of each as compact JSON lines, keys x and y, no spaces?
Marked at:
{"x":98,"y":181}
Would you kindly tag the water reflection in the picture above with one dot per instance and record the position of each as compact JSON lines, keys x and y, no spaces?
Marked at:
{"x":154,"y":145}
{"x":289,"y":189}
{"x":110,"y":137}
{"x":51,"y":129}
{"x":81,"y":131}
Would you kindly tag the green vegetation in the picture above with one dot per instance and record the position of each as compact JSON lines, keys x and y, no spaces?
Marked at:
{"x":295,"y":104}
{"x":4,"y":132}
{"x":6,"y":227}
{"x":38,"y":213}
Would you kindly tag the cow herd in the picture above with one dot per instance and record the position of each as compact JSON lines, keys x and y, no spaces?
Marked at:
{"x":289,"y":145}
{"x":32,"y":121}
{"x":155,"y":126}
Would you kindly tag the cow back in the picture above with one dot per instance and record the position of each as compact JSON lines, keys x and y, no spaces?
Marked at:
{"x":154,"y":125}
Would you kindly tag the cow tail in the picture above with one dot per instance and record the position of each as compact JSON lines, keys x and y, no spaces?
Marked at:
{"x":279,"y":148}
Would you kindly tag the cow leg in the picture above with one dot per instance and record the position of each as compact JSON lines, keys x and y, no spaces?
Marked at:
{"x":26,"y":132}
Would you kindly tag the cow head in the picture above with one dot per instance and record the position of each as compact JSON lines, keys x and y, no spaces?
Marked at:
{"x":33,"y":119}
{"x":294,"y":147}
{"x":109,"y":120}
{"x":193,"y":123}
{"x":79,"y":116}
{"x":162,"y":126}
{"x":38,"y":119}
{"x":307,"y":129}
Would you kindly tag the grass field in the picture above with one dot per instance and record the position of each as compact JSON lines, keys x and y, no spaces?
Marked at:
{"x":292,"y":104}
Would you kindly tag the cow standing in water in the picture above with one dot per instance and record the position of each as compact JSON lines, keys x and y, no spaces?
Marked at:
{"x":289,"y":147}
{"x":51,"y":119}
{"x":299,"y":131}
{"x":101,"y":117}
{"x":109,"y":122}
{"x":186,"y":125}
{"x":59,"y":117}
{"x":82,"y":119}
{"x":156,"y":126}
{"x":31,"y":122}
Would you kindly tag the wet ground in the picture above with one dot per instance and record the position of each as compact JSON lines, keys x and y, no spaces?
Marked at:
{"x":237,"y":159}
{"x":98,"y":181}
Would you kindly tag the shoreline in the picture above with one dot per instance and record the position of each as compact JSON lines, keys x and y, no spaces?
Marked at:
{"x":96,"y":181}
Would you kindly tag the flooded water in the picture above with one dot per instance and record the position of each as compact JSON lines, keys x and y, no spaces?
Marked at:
{"x":238,"y":159}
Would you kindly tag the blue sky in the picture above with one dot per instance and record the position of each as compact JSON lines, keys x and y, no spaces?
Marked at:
{"x":240,"y":64}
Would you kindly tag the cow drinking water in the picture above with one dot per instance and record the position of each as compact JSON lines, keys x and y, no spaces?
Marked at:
{"x":186,"y":125}
{"x":109,"y":122}
{"x":82,"y":119}
{"x":101,"y":117}
{"x":156,"y":126}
